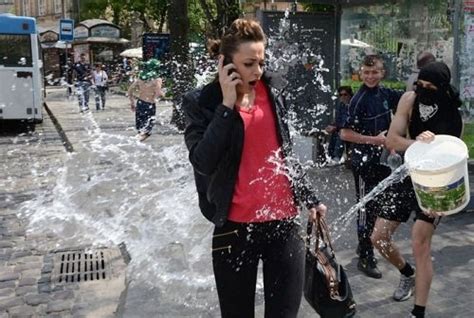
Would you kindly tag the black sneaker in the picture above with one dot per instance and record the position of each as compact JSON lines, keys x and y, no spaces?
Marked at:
{"x":368,"y":266}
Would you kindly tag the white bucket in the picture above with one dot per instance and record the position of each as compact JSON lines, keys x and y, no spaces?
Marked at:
{"x":438,"y":171}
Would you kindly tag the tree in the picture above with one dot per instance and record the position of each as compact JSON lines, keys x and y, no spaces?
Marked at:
{"x":101,"y":9}
{"x":220,"y":14}
{"x":151,"y":12}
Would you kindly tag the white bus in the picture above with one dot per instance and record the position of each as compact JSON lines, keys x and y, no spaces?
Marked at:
{"x":21,"y":80}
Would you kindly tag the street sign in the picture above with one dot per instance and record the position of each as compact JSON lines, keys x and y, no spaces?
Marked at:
{"x":66,"y":30}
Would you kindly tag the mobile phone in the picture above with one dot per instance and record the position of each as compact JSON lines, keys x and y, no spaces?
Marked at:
{"x":228,"y":60}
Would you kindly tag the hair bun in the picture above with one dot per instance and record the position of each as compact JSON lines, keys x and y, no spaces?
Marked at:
{"x":213,"y":47}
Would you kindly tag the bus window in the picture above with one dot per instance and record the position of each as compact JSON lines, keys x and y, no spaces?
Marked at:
{"x":15,"y":50}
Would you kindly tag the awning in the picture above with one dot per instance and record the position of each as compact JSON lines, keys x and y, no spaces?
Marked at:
{"x":133,"y":53}
{"x":96,"y":39}
{"x":54,"y":45}
{"x":355,"y":43}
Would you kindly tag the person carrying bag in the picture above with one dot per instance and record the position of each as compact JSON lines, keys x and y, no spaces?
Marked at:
{"x":326,"y":286}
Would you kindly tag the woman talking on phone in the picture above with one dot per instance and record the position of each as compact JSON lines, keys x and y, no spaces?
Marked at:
{"x":239,"y":147}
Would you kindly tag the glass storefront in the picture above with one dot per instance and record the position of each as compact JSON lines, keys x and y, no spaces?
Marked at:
{"x":398,"y":31}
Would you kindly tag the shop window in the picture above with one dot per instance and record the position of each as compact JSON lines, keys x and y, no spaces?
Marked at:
{"x":25,"y":4}
{"x":41,"y":7}
{"x":57,"y":6}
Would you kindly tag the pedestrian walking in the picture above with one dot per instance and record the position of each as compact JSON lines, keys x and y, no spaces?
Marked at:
{"x":148,"y":88}
{"x":99,"y":80}
{"x":239,"y":147}
{"x":370,"y":112}
{"x":82,"y":72}
{"x":69,"y":76}
{"x":433,"y":108}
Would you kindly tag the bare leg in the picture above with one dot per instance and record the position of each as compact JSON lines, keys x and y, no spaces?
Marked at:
{"x":382,"y":240}
{"x":422,"y":233}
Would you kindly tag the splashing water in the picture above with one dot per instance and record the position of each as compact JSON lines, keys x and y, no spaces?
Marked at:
{"x":342,"y":222}
{"x":116,"y":190}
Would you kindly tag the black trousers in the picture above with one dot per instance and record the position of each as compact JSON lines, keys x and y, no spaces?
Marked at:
{"x":236,"y":251}
{"x":366,"y":178}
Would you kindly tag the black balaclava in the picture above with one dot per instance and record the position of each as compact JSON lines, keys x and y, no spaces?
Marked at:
{"x":439,"y":75}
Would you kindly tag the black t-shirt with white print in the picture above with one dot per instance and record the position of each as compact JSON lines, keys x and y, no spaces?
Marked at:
{"x":444,"y":119}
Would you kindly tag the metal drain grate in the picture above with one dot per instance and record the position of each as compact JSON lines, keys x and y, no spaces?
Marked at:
{"x":80,"y":266}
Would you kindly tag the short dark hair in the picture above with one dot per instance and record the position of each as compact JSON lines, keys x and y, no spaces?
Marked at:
{"x":424,"y":58}
{"x":348,"y":89}
{"x":372,"y":59}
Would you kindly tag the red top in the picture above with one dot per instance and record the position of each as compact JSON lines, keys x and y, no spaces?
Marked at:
{"x":262,"y":190}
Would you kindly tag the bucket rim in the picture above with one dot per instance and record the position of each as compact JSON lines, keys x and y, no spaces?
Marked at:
{"x":439,"y":138}
{"x":437,"y":171}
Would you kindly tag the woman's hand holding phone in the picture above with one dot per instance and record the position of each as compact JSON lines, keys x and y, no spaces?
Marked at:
{"x":228,"y":79}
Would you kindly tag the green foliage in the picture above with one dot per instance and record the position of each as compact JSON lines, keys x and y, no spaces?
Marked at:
{"x":468,"y":138}
{"x":93,"y":9}
{"x":389,"y":84}
{"x":206,"y":17}
{"x":198,"y":24}
{"x":122,"y":12}
{"x":309,"y":6}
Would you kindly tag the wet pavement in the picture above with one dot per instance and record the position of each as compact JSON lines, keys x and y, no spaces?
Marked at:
{"x":31,"y":245}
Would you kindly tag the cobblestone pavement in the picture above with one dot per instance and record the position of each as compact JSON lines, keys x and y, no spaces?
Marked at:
{"x":28,"y":286}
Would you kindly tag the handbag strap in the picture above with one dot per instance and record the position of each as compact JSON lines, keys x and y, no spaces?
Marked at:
{"x":331,"y":274}
{"x":321,"y":231}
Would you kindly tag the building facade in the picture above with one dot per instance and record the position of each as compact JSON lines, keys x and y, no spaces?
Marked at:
{"x":46,"y":12}
{"x":7,"y":6}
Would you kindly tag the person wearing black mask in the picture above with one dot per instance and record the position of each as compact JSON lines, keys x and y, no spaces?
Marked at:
{"x":433,"y":108}
{"x":422,"y":59}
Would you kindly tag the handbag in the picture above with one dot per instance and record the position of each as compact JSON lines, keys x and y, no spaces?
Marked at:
{"x":326,"y":286}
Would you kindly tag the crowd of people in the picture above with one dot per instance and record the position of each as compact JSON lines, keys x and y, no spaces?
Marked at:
{"x":240,"y":149}
{"x":142,"y":92}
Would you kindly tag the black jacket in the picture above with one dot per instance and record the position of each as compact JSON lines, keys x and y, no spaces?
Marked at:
{"x":214,"y":136}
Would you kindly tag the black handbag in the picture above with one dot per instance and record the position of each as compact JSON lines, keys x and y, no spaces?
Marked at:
{"x":326,"y":286}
